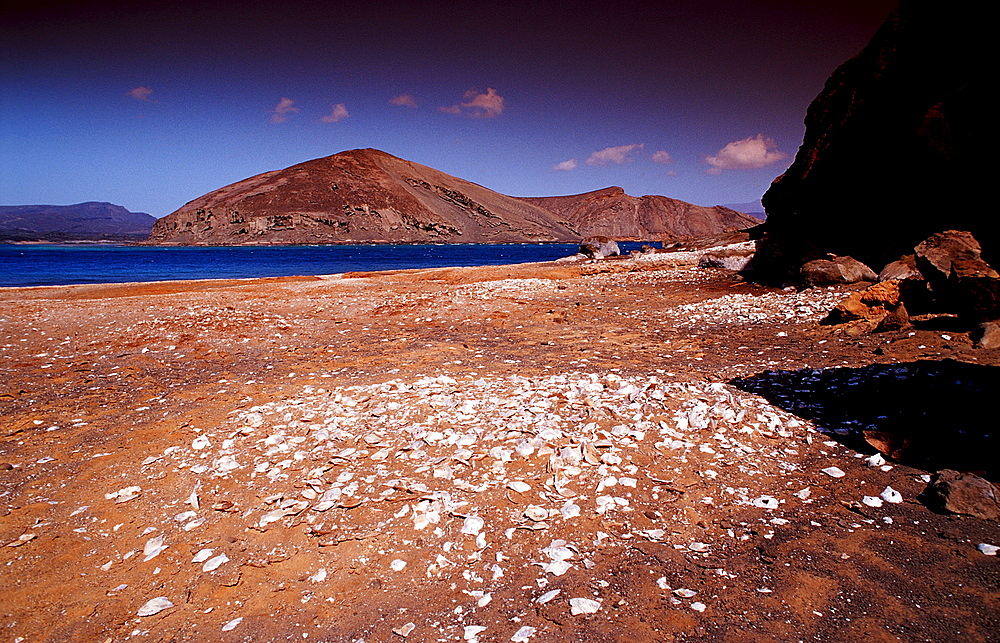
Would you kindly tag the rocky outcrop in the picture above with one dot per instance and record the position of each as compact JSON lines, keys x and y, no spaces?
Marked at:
{"x":612,"y":213}
{"x":599,"y":247}
{"x":358,"y":196}
{"x":892,"y":149}
{"x":83,"y":221}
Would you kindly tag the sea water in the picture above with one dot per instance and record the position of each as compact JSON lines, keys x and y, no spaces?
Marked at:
{"x":62,"y":264}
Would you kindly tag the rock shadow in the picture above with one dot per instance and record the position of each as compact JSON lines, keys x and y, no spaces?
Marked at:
{"x":927,"y":414}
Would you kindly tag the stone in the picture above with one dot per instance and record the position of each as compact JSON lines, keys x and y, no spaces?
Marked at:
{"x":963,"y":493}
{"x":835,"y":270}
{"x":599,"y":247}
{"x":727,"y":260}
{"x":960,"y":281}
{"x":903,"y":268}
{"x":916,"y":94}
{"x":986,"y":335}
{"x":873,"y":304}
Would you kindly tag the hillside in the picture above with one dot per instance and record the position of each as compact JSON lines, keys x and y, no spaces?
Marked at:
{"x":612,"y":213}
{"x":358,"y":196}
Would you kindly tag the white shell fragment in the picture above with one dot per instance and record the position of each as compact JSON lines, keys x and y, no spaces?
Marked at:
{"x":547,"y":596}
{"x":519,"y":486}
{"x":231,"y":625}
{"x":872,"y":501}
{"x":154,"y":606}
{"x":153,"y":548}
{"x":875,"y":461}
{"x":397,"y":565}
{"x":471,"y":632}
{"x":698,"y":607}
{"x":405,"y":630}
{"x":987,"y":549}
{"x":834,"y":472}
{"x":202,"y":555}
{"x":473,"y":525}
{"x":684,"y":592}
{"x":891,"y":496}
{"x":523,"y":634}
{"x":583,"y":606}
{"x":213,"y":563}
{"x":766,"y":502}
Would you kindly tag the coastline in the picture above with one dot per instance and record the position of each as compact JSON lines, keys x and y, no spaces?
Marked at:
{"x":238,"y":406}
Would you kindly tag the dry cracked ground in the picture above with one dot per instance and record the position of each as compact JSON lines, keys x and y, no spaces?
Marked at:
{"x":621,"y":451}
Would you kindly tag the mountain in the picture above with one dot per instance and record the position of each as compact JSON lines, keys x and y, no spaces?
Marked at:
{"x":81,"y":222}
{"x":368,"y":196}
{"x":358,"y":196}
{"x":612,"y":213}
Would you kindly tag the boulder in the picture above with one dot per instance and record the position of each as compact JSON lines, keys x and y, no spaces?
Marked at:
{"x":876,"y":303}
{"x":963,"y":493}
{"x":986,"y":335}
{"x":599,"y":247}
{"x":738,"y":260}
{"x":835,"y":270}
{"x":960,"y":280}
{"x":893,"y":147}
{"x":935,"y":255}
{"x":903,"y":268}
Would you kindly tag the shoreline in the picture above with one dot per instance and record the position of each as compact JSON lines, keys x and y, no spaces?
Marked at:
{"x":303,"y":429}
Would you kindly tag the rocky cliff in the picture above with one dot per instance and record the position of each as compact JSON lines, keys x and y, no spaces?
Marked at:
{"x":83,"y":221}
{"x":893,"y":150}
{"x":612,"y":213}
{"x":358,"y":196}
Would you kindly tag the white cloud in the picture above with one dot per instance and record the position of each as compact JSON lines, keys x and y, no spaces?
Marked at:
{"x":281,"y":111}
{"x":339,"y":113}
{"x":478,"y":105}
{"x":616,"y":155}
{"x":565,"y":166}
{"x":662,"y":157}
{"x":747,"y":154}
{"x":140,"y":93}
{"x":403,"y":100}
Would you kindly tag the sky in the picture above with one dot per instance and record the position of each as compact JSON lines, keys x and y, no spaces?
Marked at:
{"x":152,"y":104}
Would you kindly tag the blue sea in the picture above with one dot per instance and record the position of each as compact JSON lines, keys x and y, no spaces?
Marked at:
{"x":58,"y":264}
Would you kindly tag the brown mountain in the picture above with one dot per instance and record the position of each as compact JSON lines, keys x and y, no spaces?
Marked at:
{"x":368,"y":196}
{"x":612,"y":213}
{"x":358,"y":196}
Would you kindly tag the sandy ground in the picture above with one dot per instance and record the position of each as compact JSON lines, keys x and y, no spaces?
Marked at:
{"x":618,"y":451}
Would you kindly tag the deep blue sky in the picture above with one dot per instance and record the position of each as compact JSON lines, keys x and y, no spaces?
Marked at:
{"x":152,"y":104}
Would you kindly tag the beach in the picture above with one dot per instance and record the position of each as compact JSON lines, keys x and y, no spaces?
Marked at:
{"x":561,"y":451}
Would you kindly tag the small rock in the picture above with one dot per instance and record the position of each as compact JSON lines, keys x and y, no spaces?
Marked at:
{"x":583,"y":606}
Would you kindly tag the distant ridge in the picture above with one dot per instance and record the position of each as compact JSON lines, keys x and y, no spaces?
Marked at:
{"x":612,"y":213}
{"x":89,"y":221}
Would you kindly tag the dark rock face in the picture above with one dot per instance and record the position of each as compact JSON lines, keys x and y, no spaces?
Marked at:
{"x":358,"y":196}
{"x":612,"y":213}
{"x":83,"y":221}
{"x":891,"y":151}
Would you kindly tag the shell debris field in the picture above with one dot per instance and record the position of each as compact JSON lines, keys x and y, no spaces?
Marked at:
{"x":496,"y":454}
